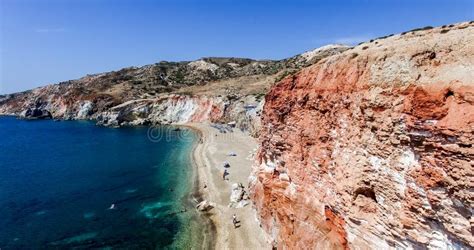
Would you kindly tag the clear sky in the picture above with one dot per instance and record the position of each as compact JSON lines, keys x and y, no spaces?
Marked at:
{"x":46,"y":41}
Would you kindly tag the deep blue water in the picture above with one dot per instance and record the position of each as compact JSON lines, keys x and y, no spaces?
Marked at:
{"x":59,"y":179}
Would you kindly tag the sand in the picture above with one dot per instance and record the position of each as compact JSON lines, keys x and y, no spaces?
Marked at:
{"x":209,"y":156}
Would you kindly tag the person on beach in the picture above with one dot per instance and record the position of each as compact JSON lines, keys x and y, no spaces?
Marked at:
{"x":224,"y":174}
{"x":234,"y":220}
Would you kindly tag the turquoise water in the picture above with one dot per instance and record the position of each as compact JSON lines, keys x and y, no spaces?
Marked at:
{"x":58,"y":181}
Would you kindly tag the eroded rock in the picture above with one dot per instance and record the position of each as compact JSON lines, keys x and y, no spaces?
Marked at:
{"x":372,"y":148}
{"x":36,"y":113}
{"x":238,"y":196}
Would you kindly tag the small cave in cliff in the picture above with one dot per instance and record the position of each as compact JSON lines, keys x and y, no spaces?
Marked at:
{"x":365,"y":191}
{"x":448,"y":94}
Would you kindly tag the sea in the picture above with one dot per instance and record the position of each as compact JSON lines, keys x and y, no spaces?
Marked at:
{"x":75,"y":185}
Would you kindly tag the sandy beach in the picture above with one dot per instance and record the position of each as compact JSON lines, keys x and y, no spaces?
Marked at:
{"x":209,"y":156}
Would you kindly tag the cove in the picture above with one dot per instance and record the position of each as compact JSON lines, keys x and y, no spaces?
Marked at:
{"x":72,"y":184}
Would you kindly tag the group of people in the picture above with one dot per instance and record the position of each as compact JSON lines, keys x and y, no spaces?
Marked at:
{"x":226,"y":165}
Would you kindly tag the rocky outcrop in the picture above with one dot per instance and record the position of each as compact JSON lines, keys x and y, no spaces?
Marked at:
{"x":180,"y":109}
{"x":373,"y":148}
{"x":36,"y":113}
{"x":238,"y":196}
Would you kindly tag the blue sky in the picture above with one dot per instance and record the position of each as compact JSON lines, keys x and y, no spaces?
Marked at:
{"x":46,"y":41}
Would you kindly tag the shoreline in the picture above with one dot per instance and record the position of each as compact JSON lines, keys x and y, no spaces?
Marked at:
{"x":196,"y":195}
{"x":210,"y":150}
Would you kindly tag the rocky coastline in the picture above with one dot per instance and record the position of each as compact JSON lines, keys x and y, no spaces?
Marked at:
{"x":362,"y":147}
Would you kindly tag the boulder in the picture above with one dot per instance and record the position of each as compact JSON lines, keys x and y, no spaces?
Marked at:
{"x":205,"y":206}
{"x":237,"y":195}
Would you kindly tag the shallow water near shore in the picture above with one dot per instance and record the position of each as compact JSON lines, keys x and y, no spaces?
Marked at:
{"x":58,"y":181}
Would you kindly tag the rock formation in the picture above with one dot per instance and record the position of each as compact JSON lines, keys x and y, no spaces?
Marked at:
{"x":363,"y":148}
{"x":373,"y":148}
{"x":238,"y":196}
{"x":36,"y":113}
{"x":210,"y":89}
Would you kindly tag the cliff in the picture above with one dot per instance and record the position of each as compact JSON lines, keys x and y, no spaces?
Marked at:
{"x":210,"y":89}
{"x":373,"y":148}
{"x":368,"y":147}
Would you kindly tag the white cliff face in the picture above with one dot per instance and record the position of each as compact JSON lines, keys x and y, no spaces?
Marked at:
{"x":181,"y":109}
{"x":174,"y":111}
{"x":85,"y":110}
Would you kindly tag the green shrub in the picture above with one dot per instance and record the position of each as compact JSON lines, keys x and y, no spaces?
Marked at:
{"x":417,"y":29}
{"x":285,"y":74}
{"x":259,"y":96}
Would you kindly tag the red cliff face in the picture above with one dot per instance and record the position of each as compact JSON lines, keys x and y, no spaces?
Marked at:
{"x":373,"y":148}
